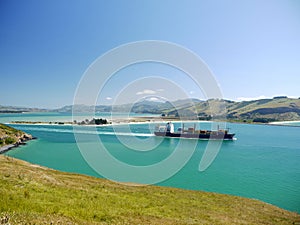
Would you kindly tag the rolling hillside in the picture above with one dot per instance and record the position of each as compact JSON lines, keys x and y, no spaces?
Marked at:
{"x":278,"y":108}
{"x":263,"y":110}
{"x":31,"y":194}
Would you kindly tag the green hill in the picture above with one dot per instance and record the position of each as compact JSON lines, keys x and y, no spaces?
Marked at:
{"x":279,"y":108}
{"x":262,"y":110}
{"x":31,"y":194}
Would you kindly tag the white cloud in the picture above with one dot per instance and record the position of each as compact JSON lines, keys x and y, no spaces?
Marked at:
{"x":108,"y":98}
{"x":262,"y":97}
{"x":146,"y":92}
{"x":160,"y":90}
{"x":153,"y":99}
{"x":252,"y":98}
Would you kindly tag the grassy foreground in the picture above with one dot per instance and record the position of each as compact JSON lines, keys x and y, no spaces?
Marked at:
{"x":31,"y":194}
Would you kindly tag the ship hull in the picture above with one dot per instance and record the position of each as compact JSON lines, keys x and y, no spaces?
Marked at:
{"x":213,"y":136}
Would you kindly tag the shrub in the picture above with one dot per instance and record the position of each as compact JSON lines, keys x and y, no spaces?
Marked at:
{"x":9,"y":140}
{"x":100,"y":121}
{"x":263,"y":120}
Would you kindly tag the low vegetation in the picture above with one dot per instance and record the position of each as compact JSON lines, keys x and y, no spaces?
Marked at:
{"x":9,"y":135}
{"x":31,"y":194}
{"x":94,"y":121}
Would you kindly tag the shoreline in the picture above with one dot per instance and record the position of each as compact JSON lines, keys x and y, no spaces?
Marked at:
{"x":285,"y":122}
{"x":18,"y":137}
{"x":111,"y":124}
{"x":145,"y":120}
{"x":6,"y":148}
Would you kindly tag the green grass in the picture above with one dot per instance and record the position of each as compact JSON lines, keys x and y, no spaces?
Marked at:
{"x":9,"y":130}
{"x":32,"y":194}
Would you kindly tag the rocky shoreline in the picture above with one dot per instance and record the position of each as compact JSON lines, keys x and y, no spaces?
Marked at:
{"x":20,"y":139}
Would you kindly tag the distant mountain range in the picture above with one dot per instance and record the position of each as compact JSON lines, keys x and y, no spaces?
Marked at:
{"x":262,"y":110}
{"x":16,"y":109}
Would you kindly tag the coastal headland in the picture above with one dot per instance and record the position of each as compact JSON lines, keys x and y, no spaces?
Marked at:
{"x":11,"y":138}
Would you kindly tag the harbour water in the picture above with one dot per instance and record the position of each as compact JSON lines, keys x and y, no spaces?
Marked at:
{"x":263,"y":163}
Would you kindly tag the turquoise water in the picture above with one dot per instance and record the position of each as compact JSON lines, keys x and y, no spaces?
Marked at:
{"x":263,"y":163}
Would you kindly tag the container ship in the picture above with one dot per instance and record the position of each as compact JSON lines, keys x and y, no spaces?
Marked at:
{"x":168,"y":131}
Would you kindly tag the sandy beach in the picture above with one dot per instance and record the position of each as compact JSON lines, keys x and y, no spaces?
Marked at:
{"x":285,"y":122}
{"x":116,"y":122}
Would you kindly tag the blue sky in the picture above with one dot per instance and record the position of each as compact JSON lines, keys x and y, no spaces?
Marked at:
{"x":252,"y":47}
